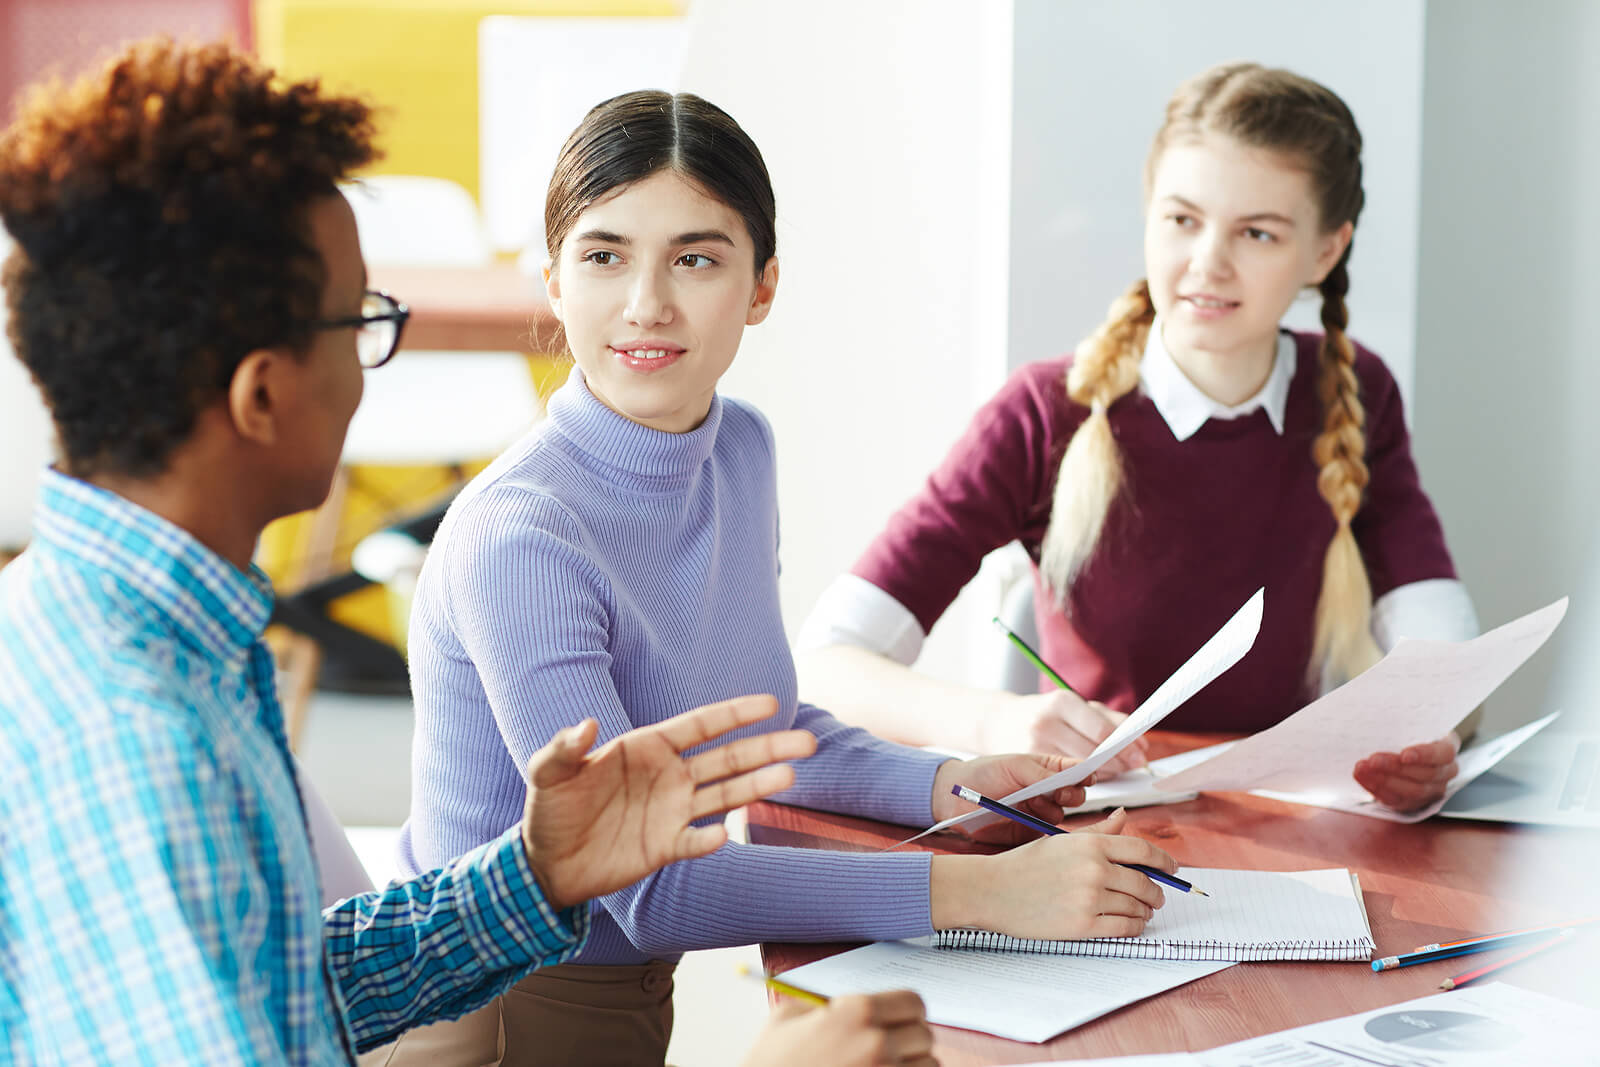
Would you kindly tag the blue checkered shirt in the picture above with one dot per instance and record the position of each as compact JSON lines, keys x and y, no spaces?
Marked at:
{"x":159,"y":902}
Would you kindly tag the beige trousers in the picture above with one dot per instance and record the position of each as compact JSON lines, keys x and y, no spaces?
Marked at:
{"x":568,"y":1014}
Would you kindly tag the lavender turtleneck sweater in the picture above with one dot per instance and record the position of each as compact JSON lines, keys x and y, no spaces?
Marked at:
{"x":601,"y":568}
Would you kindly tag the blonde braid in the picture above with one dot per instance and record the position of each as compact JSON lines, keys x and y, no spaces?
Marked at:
{"x":1104,"y":369}
{"x":1343,"y":646}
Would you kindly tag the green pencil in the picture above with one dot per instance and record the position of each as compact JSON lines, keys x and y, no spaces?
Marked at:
{"x":1033,"y":657}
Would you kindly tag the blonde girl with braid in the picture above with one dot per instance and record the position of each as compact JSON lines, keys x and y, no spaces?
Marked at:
{"x":1191,"y":451}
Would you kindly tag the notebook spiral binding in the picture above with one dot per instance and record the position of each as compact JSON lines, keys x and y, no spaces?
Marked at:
{"x":1124,"y":948}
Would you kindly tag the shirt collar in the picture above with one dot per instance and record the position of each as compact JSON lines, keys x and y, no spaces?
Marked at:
{"x":213,"y":605}
{"x":1185,"y":408}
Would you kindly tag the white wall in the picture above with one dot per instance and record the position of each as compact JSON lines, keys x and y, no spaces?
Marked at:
{"x":27,"y":440}
{"x":885,"y":126}
{"x":1092,"y":81}
{"x":937,"y":228}
{"x":1507,"y":380}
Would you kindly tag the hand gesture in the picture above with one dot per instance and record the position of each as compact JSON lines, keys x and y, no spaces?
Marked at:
{"x":855,"y":1031}
{"x":595,"y":822}
{"x":1412,"y":778}
{"x":998,"y":776}
{"x":1059,"y":723}
{"x":1071,"y":885}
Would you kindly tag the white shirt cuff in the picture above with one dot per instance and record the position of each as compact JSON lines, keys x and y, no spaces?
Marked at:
{"x":1438,"y":609}
{"x":853,"y":611}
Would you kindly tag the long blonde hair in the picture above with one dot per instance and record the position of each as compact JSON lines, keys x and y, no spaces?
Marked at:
{"x":1286,"y":113}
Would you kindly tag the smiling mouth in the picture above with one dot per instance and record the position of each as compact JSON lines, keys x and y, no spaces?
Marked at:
{"x":647,"y":359}
{"x":1210,"y":303}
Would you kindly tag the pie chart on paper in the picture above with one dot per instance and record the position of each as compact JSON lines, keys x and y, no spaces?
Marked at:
{"x":1445,"y":1031}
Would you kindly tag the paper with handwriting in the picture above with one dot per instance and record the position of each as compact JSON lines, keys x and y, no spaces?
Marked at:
{"x":1416,"y":693}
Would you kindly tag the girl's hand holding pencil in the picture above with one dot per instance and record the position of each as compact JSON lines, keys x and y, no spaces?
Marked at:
{"x":1057,"y":721}
{"x":1066,"y":886}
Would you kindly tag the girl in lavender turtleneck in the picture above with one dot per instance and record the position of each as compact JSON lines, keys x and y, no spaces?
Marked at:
{"x":621,"y":562}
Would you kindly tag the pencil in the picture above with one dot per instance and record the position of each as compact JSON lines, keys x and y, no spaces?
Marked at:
{"x":1529,"y":932}
{"x":1020,"y":816}
{"x":778,"y":985}
{"x":1033,"y":657}
{"x":1462,"y":979}
{"x":1427,"y":954}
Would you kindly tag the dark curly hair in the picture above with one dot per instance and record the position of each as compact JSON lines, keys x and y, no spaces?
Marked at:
{"x":159,"y":212}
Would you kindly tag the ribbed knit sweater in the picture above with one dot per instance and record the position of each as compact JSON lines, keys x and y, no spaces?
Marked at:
{"x":1198,"y":526}
{"x":601,"y":568}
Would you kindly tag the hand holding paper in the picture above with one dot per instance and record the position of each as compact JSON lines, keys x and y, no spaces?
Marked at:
{"x":1414,"y":694}
{"x":995,"y":775}
{"x":1225,"y":648}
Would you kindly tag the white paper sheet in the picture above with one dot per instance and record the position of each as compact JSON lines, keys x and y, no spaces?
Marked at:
{"x":1493,"y":1023}
{"x":1020,"y":995}
{"x":1226,"y":647}
{"x":1471,"y":763}
{"x":1489,"y":1024}
{"x":1416,"y":693}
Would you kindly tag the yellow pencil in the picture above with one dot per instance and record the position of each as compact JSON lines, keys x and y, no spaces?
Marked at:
{"x":780,"y":986}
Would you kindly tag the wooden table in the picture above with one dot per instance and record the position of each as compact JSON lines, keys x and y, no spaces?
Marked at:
{"x":1429,"y":882}
{"x":494,"y":308}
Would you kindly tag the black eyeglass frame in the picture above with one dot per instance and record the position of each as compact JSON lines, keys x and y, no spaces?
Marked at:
{"x":398,"y":313}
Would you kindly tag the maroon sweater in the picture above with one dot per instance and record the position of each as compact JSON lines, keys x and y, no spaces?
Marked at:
{"x":1199,"y":526}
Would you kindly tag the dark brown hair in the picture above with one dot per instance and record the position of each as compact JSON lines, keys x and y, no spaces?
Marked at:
{"x":632,"y":136}
{"x":159,"y":210}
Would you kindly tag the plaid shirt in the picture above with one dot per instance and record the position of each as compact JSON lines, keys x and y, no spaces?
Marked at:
{"x":158,"y":897}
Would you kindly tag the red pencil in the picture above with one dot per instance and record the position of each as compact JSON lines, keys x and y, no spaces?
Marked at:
{"x":1463,"y":979}
{"x":1551,"y":928}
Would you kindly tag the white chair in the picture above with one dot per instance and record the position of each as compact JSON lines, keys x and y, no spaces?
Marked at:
{"x":26,"y":437}
{"x":340,"y":869}
{"x":1008,"y":572}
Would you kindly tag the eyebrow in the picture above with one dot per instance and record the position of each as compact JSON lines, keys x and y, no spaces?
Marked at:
{"x":1260,"y":216}
{"x":691,"y":238}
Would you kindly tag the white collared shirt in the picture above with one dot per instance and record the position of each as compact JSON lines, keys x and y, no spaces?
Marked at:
{"x":1185,"y":408}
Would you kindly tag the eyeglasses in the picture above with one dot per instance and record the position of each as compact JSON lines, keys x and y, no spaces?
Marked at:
{"x":378,"y":327}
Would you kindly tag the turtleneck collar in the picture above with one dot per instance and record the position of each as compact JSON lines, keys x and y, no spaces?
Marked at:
{"x":632,"y":454}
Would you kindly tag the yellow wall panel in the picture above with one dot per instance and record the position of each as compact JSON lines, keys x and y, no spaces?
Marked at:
{"x":415,"y":60}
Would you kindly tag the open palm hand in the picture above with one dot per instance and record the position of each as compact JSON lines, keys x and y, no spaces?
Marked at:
{"x":597,"y":821}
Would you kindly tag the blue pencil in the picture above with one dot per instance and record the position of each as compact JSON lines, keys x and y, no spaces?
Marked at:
{"x":1018,"y":815}
{"x":1465,"y":948}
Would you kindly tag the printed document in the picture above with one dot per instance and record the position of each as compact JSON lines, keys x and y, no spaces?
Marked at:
{"x":1024,"y":996}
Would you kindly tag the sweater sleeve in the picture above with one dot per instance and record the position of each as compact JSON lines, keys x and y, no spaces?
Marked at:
{"x":532,"y":611}
{"x":1399,"y":533}
{"x":898,"y":788}
{"x":994,"y":486}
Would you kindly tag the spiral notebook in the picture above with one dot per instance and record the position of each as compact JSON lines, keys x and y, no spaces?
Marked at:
{"x":1250,"y":915}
